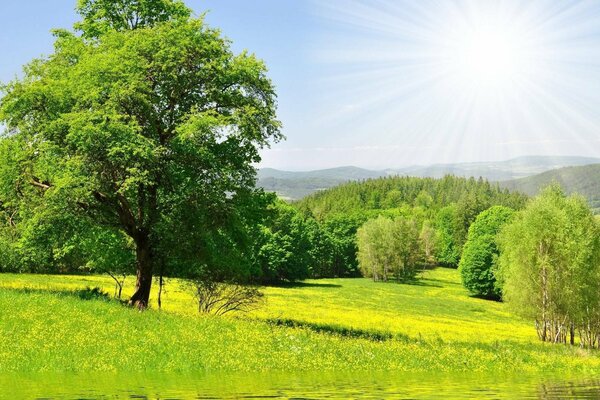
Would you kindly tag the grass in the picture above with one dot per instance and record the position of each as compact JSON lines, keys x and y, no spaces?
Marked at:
{"x":47,"y":325}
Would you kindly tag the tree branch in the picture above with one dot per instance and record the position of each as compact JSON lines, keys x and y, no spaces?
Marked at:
{"x":45,"y":185}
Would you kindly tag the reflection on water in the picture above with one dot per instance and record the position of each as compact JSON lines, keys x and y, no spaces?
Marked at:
{"x":300,"y":386}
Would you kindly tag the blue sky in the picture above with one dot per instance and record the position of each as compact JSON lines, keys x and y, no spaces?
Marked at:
{"x":386,"y":83}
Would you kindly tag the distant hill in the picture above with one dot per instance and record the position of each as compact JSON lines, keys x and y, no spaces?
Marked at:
{"x":584,"y":180}
{"x":296,"y":185}
{"x":499,"y":170}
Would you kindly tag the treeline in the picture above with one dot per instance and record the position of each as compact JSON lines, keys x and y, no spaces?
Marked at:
{"x":383,"y":228}
{"x":396,"y":191}
{"x":265,"y":240}
{"x":540,"y":255}
{"x":543,"y":260}
{"x":439,"y":213}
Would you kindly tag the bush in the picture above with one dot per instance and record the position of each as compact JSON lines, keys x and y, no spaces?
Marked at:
{"x":220,"y":298}
{"x":480,"y":253}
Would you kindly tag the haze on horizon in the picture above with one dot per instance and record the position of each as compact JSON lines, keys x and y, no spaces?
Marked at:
{"x":384,"y":84}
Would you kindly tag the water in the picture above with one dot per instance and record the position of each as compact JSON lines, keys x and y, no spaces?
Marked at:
{"x":298,"y":386}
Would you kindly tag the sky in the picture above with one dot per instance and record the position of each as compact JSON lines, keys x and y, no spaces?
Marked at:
{"x":391,"y":83}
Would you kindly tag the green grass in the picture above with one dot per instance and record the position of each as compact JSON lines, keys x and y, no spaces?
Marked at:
{"x":338,"y":324}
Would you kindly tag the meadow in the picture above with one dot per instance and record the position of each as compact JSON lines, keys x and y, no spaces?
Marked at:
{"x":47,"y":325}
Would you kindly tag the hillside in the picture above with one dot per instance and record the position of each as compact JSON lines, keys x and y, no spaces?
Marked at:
{"x":584,"y":180}
{"x":394,"y":191}
{"x":324,"y":325}
{"x":295,"y":185}
{"x":499,"y":170}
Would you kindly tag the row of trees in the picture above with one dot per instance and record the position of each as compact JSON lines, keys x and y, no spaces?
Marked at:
{"x":442,"y":210}
{"x":469,"y":196}
{"x":542,"y":257}
{"x":269,"y":241}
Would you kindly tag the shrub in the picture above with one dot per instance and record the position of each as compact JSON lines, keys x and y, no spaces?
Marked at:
{"x":220,"y":298}
{"x":480,"y":254}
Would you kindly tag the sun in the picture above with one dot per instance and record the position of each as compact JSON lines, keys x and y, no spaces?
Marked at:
{"x":487,"y":56}
{"x":462,"y":80}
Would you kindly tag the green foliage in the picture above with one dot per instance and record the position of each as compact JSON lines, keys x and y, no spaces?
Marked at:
{"x":293,"y":246}
{"x":429,"y":193}
{"x":341,"y":230}
{"x":102,"y":16}
{"x":143,"y":130}
{"x":478,"y":262}
{"x":284,"y":246}
{"x":429,"y":240}
{"x":443,"y":208}
{"x":550,"y":266}
{"x":10,"y":260}
{"x":447,"y":250}
{"x":389,"y":247}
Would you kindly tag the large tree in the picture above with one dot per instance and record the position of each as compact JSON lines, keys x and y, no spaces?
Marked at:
{"x":141,"y":121}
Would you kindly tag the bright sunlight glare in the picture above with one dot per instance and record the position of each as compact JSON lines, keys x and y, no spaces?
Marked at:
{"x":434,"y":82}
{"x":490,"y":56}
{"x":491,"y":51}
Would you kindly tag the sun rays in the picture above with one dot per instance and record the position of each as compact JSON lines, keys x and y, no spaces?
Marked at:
{"x":462,"y":81}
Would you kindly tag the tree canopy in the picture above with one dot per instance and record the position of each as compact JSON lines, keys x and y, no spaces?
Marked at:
{"x":102,"y":16}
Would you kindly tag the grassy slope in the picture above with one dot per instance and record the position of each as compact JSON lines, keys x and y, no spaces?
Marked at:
{"x":438,"y":307}
{"x":435,"y":325}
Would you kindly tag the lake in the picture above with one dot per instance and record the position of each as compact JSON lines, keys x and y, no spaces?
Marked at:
{"x":298,"y":386}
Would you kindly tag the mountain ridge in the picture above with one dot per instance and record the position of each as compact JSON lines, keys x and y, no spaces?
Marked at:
{"x":294,"y":185}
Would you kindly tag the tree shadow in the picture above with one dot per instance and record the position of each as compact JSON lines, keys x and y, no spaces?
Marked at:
{"x":489,"y":298}
{"x":87,"y":293}
{"x":428,"y":267}
{"x":339,"y":330}
{"x":417,"y":282}
{"x":444,"y":282}
{"x":304,"y":285}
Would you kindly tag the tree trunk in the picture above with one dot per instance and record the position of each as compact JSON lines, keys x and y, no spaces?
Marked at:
{"x":160,"y":288}
{"x":572,"y":334}
{"x":544,"y":296}
{"x":143,"y":283}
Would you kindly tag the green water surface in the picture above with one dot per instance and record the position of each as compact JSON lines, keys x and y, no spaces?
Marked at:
{"x":305,"y":386}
